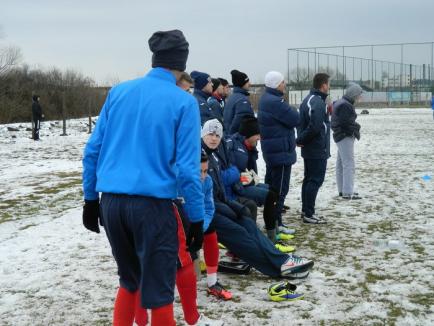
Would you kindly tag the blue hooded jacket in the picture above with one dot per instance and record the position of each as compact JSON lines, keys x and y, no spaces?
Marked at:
{"x":237,"y":107}
{"x":239,"y":155}
{"x":314,"y":130}
{"x":277,"y":121}
{"x":216,"y":107}
{"x":147,"y":142}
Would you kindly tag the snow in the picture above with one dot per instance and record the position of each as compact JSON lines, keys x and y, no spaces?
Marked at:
{"x":54,"y":272}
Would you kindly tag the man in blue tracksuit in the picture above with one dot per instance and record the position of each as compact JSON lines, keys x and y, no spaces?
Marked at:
{"x":314,"y":140}
{"x":238,"y":105}
{"x":146,"y":143}
{"x":202,"y":91}
{"x":277,"y":121}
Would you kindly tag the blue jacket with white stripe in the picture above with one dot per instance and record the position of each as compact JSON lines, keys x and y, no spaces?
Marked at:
{"x":314,"y":128}
{"x":206,"y":112}
{"x":147,"y":142}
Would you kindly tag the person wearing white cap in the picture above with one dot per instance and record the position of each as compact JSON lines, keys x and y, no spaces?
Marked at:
{"x":277,"y":122}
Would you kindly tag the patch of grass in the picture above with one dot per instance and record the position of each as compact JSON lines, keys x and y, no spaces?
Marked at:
{"x":426,"y":300}
{"x":262,"y":314}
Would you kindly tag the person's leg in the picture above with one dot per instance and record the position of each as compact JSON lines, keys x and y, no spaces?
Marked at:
{"x":317,"y":170}
{"x":155,"y":228}
{"x":211,"y":255}
{"x":251,"y":205}
{"x":241,"y":242}
{"x":268,"y":179}
{"x":281,"y":175}
{"x":37,"y":127}
{"x":186,"y":284}
{"x":347,"y":155}
{"x":121,"y":240}
{"x":339,"y":168}
{"x":303,"y":186}
{"x":270,"y":214}
{"x":140,"y":313}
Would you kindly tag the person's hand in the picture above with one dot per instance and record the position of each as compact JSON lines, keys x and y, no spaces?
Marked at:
{"x":91,"y":215}
{"x":246,"y":178}
{"x":255,"y":177}
{"x":43,"y":116}
{"x":195,"y":236}
{"x":300,"y":145}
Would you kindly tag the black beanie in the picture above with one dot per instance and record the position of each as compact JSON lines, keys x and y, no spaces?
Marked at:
{"x":249,"y":127}
{"x":215,"y":83}
{"x":170,"y":50}
{"x":35,"y":98}
{"x":239,"y":78}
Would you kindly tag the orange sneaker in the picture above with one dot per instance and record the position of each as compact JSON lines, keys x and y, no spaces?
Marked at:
{"x":219,"y":291}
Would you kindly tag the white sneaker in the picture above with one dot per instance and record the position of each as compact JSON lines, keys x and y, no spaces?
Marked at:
{"x":284,"y":229}
{"x":295,"y":264}
{"x":203,"y":321}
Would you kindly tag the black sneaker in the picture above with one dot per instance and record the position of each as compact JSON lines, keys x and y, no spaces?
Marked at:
{"x":314,"y":219}
{"x":354,"y":196}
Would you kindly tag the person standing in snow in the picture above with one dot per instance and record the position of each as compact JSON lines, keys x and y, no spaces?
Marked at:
{"x":238,"y":105}
{"x":140,"y":152}
{"x":345,"y":131}
{"x":277,"y":122}
{"x":216,"y":101}
{"x":314,"y":140}
{"x":36,"y":116}
{"x":202,"y":91}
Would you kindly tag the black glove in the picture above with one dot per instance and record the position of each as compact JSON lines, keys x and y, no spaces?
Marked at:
{"x":195,"y":236}
{"x":91,"y":215}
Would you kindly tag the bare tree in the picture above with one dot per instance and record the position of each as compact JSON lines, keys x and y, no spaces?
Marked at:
{"x":10,"y":56}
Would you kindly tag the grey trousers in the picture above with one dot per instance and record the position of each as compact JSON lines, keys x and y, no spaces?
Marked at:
{"x":345,"y":166}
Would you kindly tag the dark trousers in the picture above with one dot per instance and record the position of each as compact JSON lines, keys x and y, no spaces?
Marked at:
{"x":314,"y":173}
{"x":142,"y":232}
{"x":278,"y":177}
{"x":36,"y":128}
{"x":242,"y":237}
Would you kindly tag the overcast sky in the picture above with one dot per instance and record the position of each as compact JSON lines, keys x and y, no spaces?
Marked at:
{"x":107,"y":39}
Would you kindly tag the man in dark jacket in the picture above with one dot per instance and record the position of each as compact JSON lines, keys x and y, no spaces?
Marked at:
{"x":243,"y":154}
{"x":216,"y":101}
{"x":202,"y":91}
{"x":238,"y":105}
{"x":277,"y":121}
{"x":345,"y":131}
{"x":314,"y":140}
{"x":36,"y":116}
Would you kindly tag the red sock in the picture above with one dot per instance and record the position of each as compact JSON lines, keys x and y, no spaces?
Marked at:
{"x":141,"y":314}
{"x":163,"y":316}
{"x":186,"y":284}
{"x":211,"y":252}
{"x":123,"y":314}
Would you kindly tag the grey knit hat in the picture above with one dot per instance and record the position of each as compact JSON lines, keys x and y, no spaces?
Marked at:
{"x":212,"y":126}
{"x":353,"y":91}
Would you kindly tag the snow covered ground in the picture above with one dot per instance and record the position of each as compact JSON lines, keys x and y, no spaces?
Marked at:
{"x":54,"y":272}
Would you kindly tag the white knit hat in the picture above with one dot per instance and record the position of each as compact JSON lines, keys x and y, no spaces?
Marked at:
{"x":212,"y":126}
{"x":273,"y":79}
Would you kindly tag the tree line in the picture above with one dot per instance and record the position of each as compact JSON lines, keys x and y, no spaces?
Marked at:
{"x":64,"y":94}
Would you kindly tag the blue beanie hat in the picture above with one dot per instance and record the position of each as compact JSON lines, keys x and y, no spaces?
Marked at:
{"x":200,"y":79}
